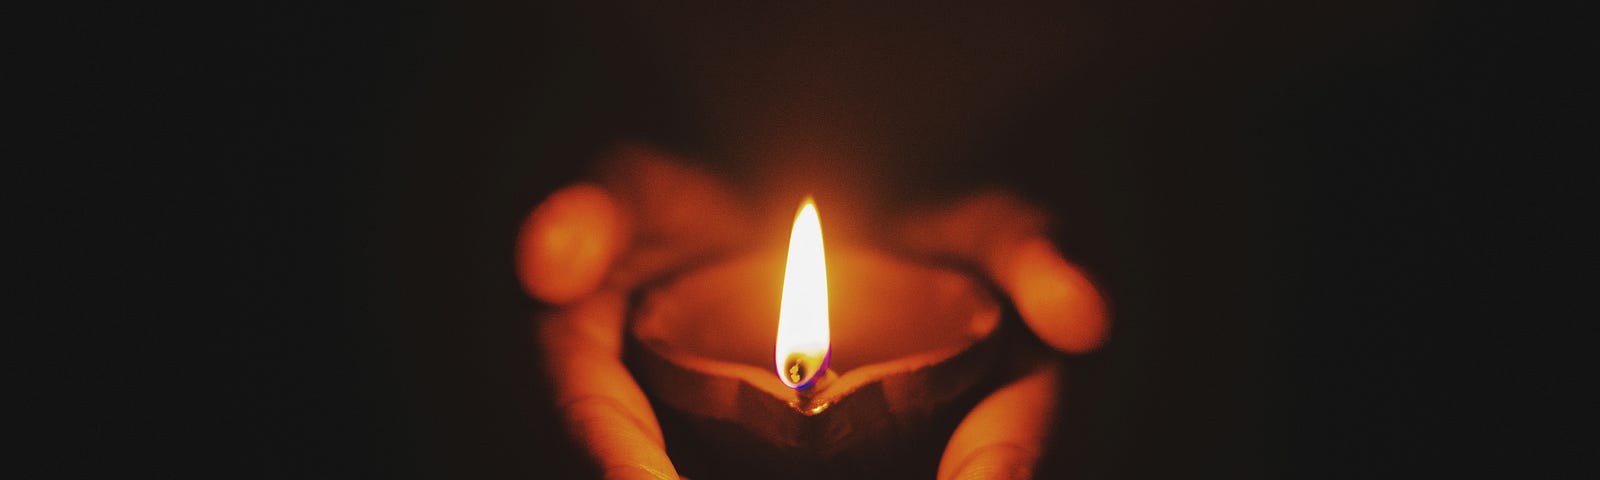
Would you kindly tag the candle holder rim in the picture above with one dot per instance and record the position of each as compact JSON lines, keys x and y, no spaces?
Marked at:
{"x":986,"y":319}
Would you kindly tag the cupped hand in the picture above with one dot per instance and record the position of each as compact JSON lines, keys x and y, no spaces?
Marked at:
{"x":587,"y":246}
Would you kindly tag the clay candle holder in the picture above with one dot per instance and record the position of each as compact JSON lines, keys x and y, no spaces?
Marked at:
{"x":915,"y":345}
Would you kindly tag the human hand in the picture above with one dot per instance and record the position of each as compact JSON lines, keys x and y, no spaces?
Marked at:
{"x":587,"y":246}
{"x":1002,"y":436}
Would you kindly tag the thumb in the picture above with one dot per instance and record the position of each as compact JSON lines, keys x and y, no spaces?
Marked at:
{"x":1006,"y":237}
{"x":568,"y":243}
{"x":1001,"y":438}
{"x":646,"y":211}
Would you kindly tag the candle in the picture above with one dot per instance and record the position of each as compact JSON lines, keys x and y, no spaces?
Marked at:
{"x":877,"y":357}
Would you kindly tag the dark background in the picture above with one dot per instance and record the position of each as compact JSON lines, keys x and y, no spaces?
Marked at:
{"x":1331,"y":235}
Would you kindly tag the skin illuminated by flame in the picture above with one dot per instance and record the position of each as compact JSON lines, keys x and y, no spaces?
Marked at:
{"x":802,"y":351}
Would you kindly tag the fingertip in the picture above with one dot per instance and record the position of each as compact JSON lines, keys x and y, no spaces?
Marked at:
{"x":1001,"y":437}
{"x":997,"y":462}
{"x":1057,"y":301}
{"x":567,"y":244}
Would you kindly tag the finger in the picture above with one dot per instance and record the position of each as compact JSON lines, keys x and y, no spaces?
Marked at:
{"x":1003,"y":436}
{"x":1008,"y":239}
{"x":972,"y":226}
{"x":673,"y":202}
{"x":1055,"y":298}
{"x":645,"y":202}
{"x":596,"y":397}
{"x":568,"y":243}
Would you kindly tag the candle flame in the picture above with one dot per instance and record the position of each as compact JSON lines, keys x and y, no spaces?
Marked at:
{"x":803,"y":349}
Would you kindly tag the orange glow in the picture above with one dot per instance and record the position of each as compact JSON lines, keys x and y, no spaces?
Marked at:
{"x":803,"y":349}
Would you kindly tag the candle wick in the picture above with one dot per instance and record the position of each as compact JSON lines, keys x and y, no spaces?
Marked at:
{"x":796,"y":368}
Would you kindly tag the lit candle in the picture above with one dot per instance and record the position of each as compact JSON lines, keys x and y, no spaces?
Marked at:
{"x":803,"y":348}
{"x":921,"y":344}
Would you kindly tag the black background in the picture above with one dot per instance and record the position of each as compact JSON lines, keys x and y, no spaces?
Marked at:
{"x":1329,"y":234}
